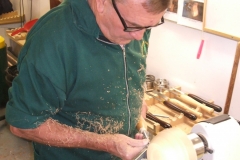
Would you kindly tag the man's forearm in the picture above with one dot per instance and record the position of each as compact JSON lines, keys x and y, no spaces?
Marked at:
{"x":55,"y":134}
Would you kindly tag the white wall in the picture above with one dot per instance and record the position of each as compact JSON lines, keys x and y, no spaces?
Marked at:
{"x":39,"y":7}
{"x":172,"y":56}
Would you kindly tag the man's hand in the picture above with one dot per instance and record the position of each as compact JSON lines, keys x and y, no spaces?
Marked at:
{"x":125,"y":147}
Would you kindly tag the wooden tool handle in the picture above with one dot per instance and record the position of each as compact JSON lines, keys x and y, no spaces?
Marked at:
{"x":195,"y":103}
{"x":213,"y":106}
{"x":184,"y":106}
{"x":141,"y":124}
{"x":162,"y":123}
{"x":142,"y":127}
{"x":18,"y":31}
{"x":175,"y":108}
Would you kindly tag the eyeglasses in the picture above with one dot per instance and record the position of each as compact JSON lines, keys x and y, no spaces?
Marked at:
{"x":132,"y":29}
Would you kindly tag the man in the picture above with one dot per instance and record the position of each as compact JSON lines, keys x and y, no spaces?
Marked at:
{"x":79,"y":91}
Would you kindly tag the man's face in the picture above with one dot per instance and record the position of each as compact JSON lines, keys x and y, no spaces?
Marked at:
{"x":133,"y":14}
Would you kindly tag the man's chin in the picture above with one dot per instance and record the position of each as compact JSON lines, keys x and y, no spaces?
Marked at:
{"x":124,"y":42}
{"x":121,"y":41}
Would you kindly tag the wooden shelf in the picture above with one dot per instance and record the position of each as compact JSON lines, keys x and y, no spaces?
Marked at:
{"x":21,"y":40}
{"x":11,"y":17}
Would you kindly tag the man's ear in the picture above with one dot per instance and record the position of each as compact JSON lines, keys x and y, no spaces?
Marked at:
{"x":101,"y":4}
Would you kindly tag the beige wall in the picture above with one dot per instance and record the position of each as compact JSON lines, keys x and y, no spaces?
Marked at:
{"x":39,"y":7}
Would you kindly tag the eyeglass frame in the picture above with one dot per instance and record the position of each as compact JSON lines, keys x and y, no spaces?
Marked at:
{"x":132,"y":29}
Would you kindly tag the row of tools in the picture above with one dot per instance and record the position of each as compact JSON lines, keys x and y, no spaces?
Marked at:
{"x":180,"y":103}
{"x":11,"y":17}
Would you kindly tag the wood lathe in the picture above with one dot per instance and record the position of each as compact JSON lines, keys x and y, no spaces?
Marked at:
{"x":210,"y":135}
{"x":213,"y":139}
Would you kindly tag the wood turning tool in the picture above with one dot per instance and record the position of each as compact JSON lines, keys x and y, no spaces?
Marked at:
{"x":167,"y":102}
{"x":161,"y":122}
{"x":186,"y":99}
{"x":142,"y":127}
{"x":211,"y":105}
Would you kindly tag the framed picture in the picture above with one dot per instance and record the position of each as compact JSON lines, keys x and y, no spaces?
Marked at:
{"x":171,"y":13}
{"x":186,"y":12}
{"x":191,"y":13}
{"x":221,"y":18}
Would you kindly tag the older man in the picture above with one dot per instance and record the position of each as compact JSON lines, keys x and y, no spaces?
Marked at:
{"x":79,"y":91}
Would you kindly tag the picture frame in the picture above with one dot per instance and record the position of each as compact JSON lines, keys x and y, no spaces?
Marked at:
{"x":171,"y":13}
{"x":186,"y":12}
{"x":221,"y":18}
{"x":190,"y":13}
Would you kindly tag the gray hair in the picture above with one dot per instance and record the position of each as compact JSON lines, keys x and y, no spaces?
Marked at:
{"x":153,"y":6}
{"x":156,"y":6}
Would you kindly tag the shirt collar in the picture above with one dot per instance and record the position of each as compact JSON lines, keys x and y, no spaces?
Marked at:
{"x":83,"y":17}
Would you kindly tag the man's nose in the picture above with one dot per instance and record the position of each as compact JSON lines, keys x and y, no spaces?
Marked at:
{"x":137,"y":35}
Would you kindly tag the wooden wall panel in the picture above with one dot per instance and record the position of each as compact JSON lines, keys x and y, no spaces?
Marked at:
{"x":54,"y":3}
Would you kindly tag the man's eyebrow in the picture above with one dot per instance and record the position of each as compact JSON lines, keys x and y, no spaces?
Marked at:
{"x":132,"y":24}
{"x":135,"y":24}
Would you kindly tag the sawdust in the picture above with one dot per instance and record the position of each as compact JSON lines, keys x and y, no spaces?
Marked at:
{"x":141,"y":68}
{"x":98,"y":124}
{"x":144,"y":46}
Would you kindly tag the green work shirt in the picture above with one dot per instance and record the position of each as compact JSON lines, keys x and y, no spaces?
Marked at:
{"x":70,"y":72}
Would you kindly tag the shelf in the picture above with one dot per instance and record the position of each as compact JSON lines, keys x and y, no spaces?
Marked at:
{"x":10,"y":18}
{"x":20,"y":38}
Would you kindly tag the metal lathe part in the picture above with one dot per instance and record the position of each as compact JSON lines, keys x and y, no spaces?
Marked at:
{"x":161,"y":84}
{"x":198,"y":144}
{"x":150,"y":82}
{"x":144,"y":132}
{"x":163,"y":116}
{"x":142,"y":155}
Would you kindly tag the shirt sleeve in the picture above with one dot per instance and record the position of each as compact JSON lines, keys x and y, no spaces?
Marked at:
{"x":39,"y":91}
{"x":33,"y":98}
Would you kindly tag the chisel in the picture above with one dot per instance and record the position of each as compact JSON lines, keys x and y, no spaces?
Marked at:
{"x":162,"y":123}
{"x":181,"y":105}
{"x":142,"y":127}
{"x":186,"y":99}
{"x":211,"y":105}
{"x":185,"y":107}
{"x":173,"y":106}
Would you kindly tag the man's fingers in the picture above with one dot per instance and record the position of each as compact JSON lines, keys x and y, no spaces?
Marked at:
{"x":139,"y":136}
{"x":138,"y":142}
